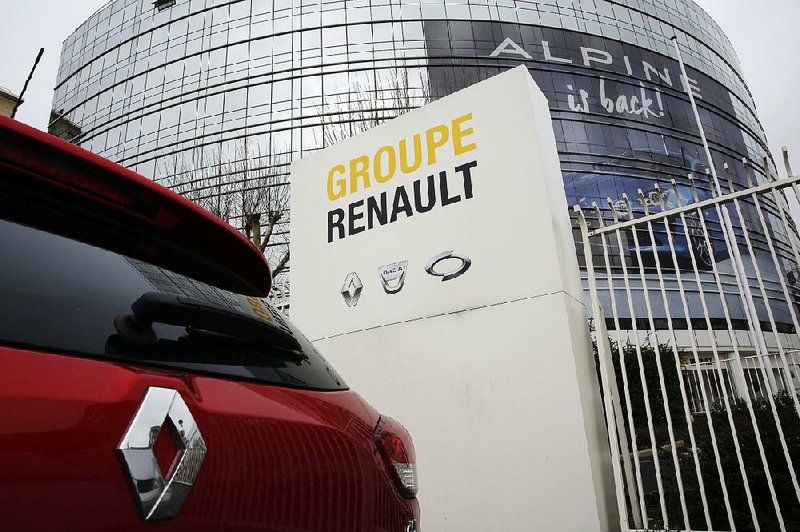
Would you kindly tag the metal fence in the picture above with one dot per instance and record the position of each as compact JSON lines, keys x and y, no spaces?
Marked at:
{"x":279,"y":297}
{"x":696,"y":319}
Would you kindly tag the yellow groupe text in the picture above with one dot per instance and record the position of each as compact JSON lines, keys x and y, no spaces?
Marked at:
{"x":407,"y":157}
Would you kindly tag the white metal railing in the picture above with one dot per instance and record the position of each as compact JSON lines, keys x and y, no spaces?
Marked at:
{"x":279,"y":296}
{"x":696,"y":320}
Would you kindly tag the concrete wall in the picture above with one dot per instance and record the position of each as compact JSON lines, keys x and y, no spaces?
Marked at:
{"x":484,"y":355}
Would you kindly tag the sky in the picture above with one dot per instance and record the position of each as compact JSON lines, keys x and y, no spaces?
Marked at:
{"x":764,"y":36}
{"x":764,"y":33}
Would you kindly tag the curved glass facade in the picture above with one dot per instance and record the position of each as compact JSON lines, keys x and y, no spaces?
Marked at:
{"x":173,"y":92}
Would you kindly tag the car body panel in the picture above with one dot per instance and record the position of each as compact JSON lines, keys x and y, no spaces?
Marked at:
{"x":33,"y":160}
{"x":284,"y":446}
{"x":278,"y":459}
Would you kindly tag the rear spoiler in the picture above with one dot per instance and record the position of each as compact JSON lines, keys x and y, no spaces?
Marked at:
{"x":49,"y":183}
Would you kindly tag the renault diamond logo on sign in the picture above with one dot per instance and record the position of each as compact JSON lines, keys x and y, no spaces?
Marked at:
{"x":159,"y":497}
{"x":351,"y":289}
{"x":459,"y":268}
{"x":393,"y":276}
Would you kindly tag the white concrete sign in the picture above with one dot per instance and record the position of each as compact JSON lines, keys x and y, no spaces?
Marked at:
{"x":433,"y":264}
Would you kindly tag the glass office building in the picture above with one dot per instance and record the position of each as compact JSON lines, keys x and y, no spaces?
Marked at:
{"x":172,"y":89}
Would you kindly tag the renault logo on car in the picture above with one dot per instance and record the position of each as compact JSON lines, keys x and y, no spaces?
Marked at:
{"x":159,"y":497}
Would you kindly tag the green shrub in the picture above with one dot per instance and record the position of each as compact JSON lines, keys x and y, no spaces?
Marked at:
{"x":629,"y":361}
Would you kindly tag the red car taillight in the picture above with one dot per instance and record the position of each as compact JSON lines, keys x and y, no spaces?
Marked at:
{"x":397,"y":451}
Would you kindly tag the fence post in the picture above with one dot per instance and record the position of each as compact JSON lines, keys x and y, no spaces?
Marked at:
{"x":617,"y":434}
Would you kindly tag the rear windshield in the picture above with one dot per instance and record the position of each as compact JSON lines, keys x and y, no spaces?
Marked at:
{"x":60,"y":295}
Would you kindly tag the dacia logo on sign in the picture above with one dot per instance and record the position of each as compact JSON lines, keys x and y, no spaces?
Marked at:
{"x":393,"y":276}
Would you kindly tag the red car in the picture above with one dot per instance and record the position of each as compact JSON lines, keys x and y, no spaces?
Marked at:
{"x":145,"y":383}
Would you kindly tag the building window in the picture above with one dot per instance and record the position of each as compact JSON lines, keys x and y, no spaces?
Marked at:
{"x":163,"y":4}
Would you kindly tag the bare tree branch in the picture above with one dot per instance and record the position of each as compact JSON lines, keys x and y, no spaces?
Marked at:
{"x":245,"y":184}
{"x":281,"y":265}
{"x":238,"y":184}
{"x":365,"y":107}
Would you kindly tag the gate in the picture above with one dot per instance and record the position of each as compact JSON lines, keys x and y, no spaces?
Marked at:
{"x":694,"y":304}
{"x":279,"y":296}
